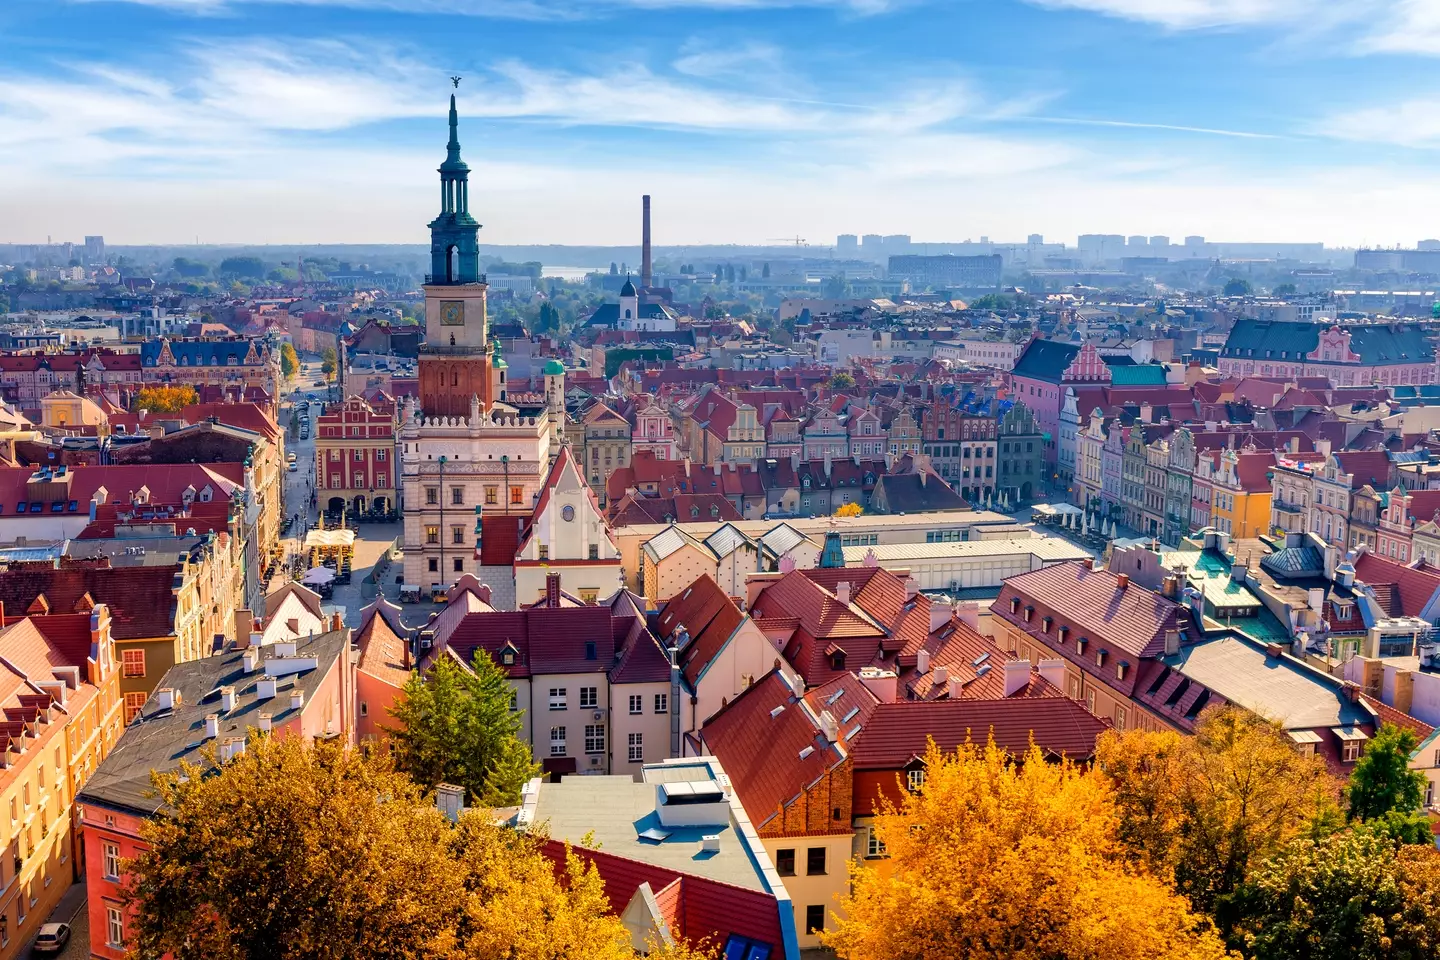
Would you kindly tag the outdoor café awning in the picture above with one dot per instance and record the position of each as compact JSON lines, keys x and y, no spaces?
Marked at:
{"x":329,"y":538}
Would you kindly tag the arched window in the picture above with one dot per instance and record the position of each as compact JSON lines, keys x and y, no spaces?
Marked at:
{"x":454,"y":378}
{"x":452,"y":263}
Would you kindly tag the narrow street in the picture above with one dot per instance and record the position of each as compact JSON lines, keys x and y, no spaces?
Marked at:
{"x":373,"y":541}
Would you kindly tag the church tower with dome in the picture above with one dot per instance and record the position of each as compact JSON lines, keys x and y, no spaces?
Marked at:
{"x":469,"y":461}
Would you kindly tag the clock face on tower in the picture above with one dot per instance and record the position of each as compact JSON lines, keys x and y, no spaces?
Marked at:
{"x":452,"y":313}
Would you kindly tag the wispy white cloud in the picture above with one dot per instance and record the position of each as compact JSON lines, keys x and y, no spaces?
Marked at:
{"x":1137,"y":125}
{"x":1193,"y":14}
{"x":1413,"y":26}
{"x":1409,"y":123}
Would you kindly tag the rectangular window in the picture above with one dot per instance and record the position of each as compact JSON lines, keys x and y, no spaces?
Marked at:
{"x":432,"y":495}
{"x":637,"y":703}
{"x":558,"y":698}
{"x":662,"y":704}
{"x":637,"y":752}
{"x":815,"y":918}
{"x":359,"y":456}
{"x":516,"y":495}
{"x":434,"y":564}
{"x":459,"y":565}
{"x":133,"y":662}
{"x":492,"y":495}
{"x":457,"y":495}
{"x":557,"y":741}
{"x":915,"y":779}
{"x":457,"y":534}
{"x":544,"y":550}
{"x":589,"y":697}
{"x":1120,"y":718}
{"x":594,"y":551}
{"x":785,"y":863}
{"x":873,"y":846}
{"x":1350,"y":752}
{"x":114,"y":927}
{"x":594,"y":738}
{"x":380,"y":456}
{"x":134,"y":703}
{"x":111,"y":861}
{"x":432,"y":534}
{"x":815,"y":862}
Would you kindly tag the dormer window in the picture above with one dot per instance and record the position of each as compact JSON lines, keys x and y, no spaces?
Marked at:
{"x":507,"y":656}
{"x":1120,"y":668}
{"x":1080,"y":644}
{"x":1060,"y":633}
{"x":1100,"y":657}
{"x":1014,"y":601}
{"x":1029,"y":613}
{"x":1045,"y":624}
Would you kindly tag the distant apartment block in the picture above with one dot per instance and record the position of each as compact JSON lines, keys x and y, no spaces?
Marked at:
{"x":982,"y":272}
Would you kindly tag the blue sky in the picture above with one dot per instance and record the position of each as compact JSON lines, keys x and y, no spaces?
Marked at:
{"x":323,"y":120}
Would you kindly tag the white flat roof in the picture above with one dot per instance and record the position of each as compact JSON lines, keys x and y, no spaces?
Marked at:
{"x":1052,"y":549}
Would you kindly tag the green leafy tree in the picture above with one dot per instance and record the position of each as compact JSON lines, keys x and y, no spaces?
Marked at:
{"x":1352,"y":895}
{"x":456,"y":726}
{"x":243,"y":268}
{"x":1285,"y":290}
{"x":327,"y":362}
{"x":1382,"y":781}
{"x":841,"y":381}
{"x":1237,"y":287}
{"x":289,"y":360}
{"x":186,"y":267}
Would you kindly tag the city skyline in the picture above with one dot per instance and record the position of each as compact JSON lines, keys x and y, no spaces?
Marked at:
{"x":747,"y":120}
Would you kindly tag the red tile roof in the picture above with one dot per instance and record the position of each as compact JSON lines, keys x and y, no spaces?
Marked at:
{"x":1366,"y":467}
{"x":898,"y":731}
{"x":708,"y":616}
{"x":697,"y":908}
{"x":1091,"y":603}
{"x":1416,"y":587}
{"x":1398,"y":718}
{"x":759,"y":738}
{"x":140,"y":599}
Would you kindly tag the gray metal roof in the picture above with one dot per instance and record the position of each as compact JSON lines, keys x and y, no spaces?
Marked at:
{"x":1275,"y":687}
{"x":782,"y":538}
{"x":162,"y":739}
{"x":727,"y":540}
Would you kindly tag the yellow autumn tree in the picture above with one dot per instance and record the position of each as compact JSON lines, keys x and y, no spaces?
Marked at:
{"x":291,"y":852}
{"x":849,"y":510}
{"x":1202,"y":811}
{"x":996,"y":857}
{"x":165,"y":399}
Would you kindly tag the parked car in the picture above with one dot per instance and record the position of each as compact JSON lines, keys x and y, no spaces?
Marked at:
{"x":51,"y":938}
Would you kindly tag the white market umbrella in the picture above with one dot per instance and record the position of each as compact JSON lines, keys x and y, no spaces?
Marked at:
{"x":318,"y":576}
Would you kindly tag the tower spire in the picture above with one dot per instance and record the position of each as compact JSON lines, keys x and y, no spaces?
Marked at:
{"x":452,"y":149}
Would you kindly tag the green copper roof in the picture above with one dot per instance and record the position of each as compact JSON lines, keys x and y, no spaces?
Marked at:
{"x":1138,"y":375}
{"x":554,"y":368}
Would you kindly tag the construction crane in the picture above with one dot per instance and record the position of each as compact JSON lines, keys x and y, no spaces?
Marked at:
{"x":798,"y":240}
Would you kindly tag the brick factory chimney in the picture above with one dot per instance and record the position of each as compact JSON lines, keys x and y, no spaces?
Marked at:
{"x":645,"y":276}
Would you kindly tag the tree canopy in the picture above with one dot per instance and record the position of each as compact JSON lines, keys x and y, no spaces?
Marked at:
{"x":244,"y":268}
{"x":165,"y":399}
{"x":457,"y":726}
{"x":1201,"y":811}
{"x":1351,"y":895}
{"x":849,"y":510}
{"x":1382,"y":780}
{"x":289,"y":360}
{"x":841,"y":380}
{"x":291,"y":852}
{"x":999,"y":858}
{"x":1237,"y":287}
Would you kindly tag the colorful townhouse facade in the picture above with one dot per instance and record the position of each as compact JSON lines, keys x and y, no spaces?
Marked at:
{"x":355,"y":470}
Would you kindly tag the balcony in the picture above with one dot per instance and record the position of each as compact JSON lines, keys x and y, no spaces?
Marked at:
{"x":1282,"y":506}
{"x":431,"y":281}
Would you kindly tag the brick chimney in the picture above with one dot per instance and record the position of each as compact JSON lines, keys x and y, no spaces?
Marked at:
{"x":842,"y":592}
{"x":552,"y":589}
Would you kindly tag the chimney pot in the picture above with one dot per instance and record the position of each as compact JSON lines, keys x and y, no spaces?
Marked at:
{"x":212,"y":726}
{"x":264,"y":722}
{"x":1122,"y":581}
{"x":922,"y":661}
{"x":842,"y":592}
{"x":1017,"y":675}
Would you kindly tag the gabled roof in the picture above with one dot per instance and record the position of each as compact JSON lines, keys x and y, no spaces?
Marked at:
{"x":1415,"y":586}
{"x":382,"y":642}
{"x":708,"y":616}
{"x":141,"y":601}
{"x":1045,"y":360}
{"x":1128,"y":619}
{"x":770,"y":746}
{"x":669,"y":541}
{"x":898,"y":732}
